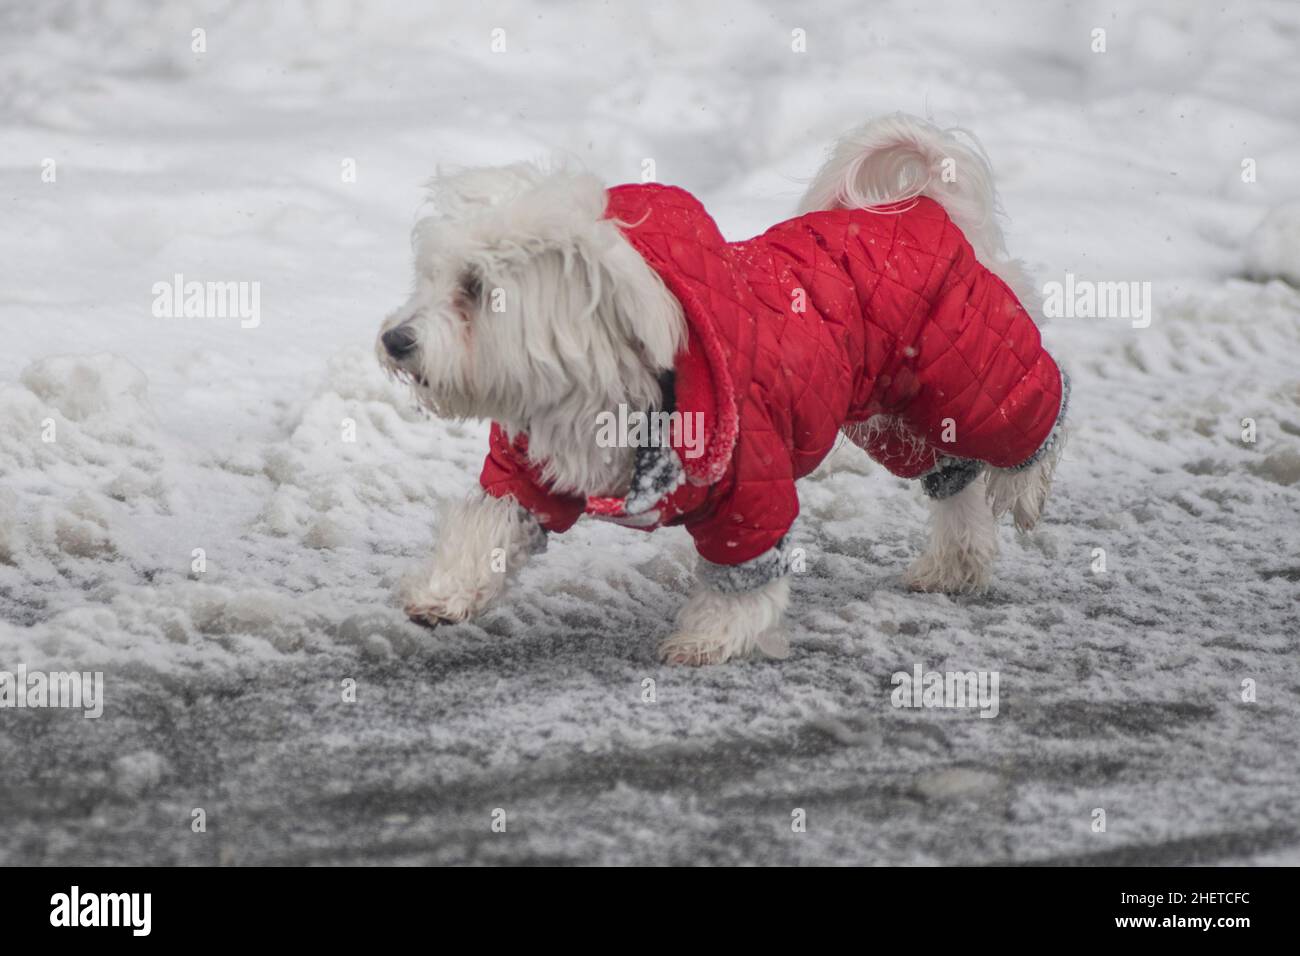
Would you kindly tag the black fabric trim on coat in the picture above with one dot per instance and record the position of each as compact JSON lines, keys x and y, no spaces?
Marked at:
{"x":656,"y":469}
{"x":668,"y":389}
{"x":950,"y":476}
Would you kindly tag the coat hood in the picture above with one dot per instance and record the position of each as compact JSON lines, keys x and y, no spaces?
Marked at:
{"x":677,"y":238}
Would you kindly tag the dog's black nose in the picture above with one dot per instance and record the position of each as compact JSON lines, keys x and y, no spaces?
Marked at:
{"x":399,"y":342}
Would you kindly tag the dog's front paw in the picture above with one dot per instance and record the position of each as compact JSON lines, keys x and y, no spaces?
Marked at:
{"x":694,"y":650}
{"x":716,"y":626}
{"x":425,"y":616}
{"x":430,"y":612}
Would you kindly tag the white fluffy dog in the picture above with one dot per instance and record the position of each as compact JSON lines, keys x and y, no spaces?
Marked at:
{"x":539,"y":306}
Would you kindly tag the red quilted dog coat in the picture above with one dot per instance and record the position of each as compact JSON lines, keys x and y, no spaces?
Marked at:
{"x":822,"y":321}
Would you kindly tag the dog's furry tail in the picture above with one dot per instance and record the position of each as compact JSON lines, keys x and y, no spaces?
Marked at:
{"x":892,"y":159}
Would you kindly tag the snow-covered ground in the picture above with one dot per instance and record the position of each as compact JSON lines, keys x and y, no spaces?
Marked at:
{"x":1155,"y":161}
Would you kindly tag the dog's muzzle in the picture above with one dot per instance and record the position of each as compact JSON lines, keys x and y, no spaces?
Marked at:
{"x":399,"y":342}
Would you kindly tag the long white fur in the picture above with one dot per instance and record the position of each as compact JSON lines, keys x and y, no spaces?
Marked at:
{"x":1024,"y":492}
{"x":482,"y":541}
{"x":716,"y":626}
{"x":962,"y":547}
{"x":584,"y":323}
{"x":587,"y":325}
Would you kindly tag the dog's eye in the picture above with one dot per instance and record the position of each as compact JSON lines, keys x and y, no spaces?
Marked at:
{"x":471,"y":286}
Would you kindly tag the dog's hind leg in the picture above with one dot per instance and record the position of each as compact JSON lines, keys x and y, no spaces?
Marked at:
{"x":1023,"y":491}
{"x":963,"y":543}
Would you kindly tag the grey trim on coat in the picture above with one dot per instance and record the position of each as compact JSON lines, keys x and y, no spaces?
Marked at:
{"x":748,"y":575}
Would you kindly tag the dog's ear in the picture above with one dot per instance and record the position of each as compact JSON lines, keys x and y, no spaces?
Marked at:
{"x":584,"y":314}
{"x":640,"y":302}
{"x":588,"y":303}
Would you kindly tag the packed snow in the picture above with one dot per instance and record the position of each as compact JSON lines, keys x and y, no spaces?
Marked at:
{"x":216,"y":512}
